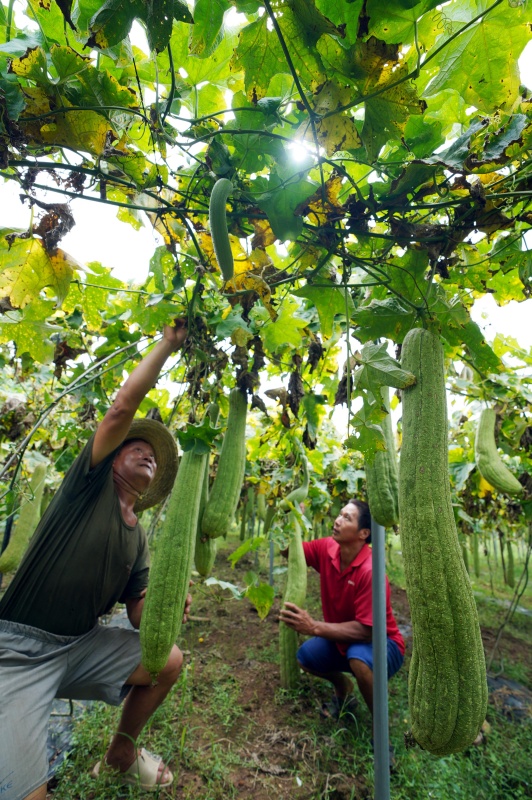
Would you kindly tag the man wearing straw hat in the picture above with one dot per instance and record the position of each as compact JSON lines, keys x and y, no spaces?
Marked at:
{"x":88,"y":552}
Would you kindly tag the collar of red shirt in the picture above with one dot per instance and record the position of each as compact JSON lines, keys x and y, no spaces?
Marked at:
{"x":333,"y":550}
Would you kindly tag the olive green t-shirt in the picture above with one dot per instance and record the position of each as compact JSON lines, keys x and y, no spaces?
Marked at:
{"x":82,"y":558}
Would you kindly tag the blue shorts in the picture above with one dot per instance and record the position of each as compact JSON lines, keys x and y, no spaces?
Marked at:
{"x":322,"y":655}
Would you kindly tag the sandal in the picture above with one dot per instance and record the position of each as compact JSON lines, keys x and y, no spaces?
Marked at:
{"x":143,"y":772}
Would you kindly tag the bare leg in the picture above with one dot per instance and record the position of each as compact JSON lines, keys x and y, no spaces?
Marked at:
{"x":364,"y":678}
{"x":143,"y":699}
{"x":342,"y":685}
{"x":37,"y":794}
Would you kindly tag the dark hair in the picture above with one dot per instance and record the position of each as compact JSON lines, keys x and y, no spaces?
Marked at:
{"x":364,"y":515}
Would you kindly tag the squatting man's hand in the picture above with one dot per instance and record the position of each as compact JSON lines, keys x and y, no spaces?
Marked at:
{"x":188,"y":603}
{"x":298,"y":619}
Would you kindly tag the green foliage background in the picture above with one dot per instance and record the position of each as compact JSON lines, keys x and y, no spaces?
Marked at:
{"x":380,"y":157}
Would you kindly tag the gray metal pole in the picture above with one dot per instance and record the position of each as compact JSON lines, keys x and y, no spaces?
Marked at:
{"x":380,"y":667}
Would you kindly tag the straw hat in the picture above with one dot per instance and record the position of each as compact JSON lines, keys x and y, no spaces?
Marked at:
{"x":163,"y":443}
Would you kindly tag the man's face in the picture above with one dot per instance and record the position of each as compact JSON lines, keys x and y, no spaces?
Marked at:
{"x":136,"y":463}
{"x":345,"y":528}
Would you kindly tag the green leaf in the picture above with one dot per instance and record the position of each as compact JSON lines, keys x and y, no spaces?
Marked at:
{"x":287,"y":189}
{"x":249,"y":546}
{"x":285,"y":331}
{"x":14,"y":99}
{"x":161,"y":262}
{"x":378,"y":70}
{"x":457,"y":153}
{"x":29,"y":331}
{"x":313,"y":404}
{"x":383,"y":318}
{"x":21,"y":44}
{"x":159,"y":18}
{"x":525,"y":271}
{"x":113,"y":21}
{"x":49,"y":18}
{"x":504,"y":138}
{"x":231,"y":323}
{"x":198,"y":438}
{"x":380,"y":369}
{"x":395,"y":20}
{"x":460,"y":331}
{"x":205,"y":34}
{"x":262,"y":597}
{"x":328,"y":302}
{"x":259,"y":55}
{"x":408,"y":273}
{"x":481,"y":63}
{"x":235,"y":591}
{"x":368,"y":437}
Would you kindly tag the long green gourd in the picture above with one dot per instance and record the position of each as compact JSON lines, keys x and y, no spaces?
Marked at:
{"x":29,"y":516}
{"x":447,"y":686}
{"x":170,"y":572}
{"x":382,"y":476}
{"x":295,"y":592}
{"x":489,"y":463}
{"x":205,"y":552}
{"x":227,"y":484}
{"x":218,"y":224}
{"x":205,"y":549}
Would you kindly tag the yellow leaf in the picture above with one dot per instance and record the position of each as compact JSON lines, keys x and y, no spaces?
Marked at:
{"x":248,"y":274}
{"x":79,"y":130}
{"x":167,"y":223}
{"x":323,"y":206}
{"x":26,"y":268}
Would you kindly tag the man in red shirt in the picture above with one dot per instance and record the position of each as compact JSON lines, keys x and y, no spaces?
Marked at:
{"x":341,"y":644}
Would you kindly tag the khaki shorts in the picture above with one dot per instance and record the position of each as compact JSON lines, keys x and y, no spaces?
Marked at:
{"x":36,"y":667}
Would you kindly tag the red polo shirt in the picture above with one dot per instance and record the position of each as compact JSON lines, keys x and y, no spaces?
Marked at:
{"x":346,"y":596}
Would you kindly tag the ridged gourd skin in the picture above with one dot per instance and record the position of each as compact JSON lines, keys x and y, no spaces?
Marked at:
{"x":205,"y":552}
{"x":218,"y":224}
{"x":205,"y":549}
{"x":489,"y":463}
{"x":447,"y":686}
{"x":295,"y":592}
{"x":28,"y":519}
{"x":170,"y":572}
{"x":227,"y":484}
{"x":261,"y":506}
{"x":382,"y":476}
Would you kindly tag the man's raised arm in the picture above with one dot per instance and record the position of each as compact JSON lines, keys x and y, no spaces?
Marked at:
{"x":113,"y":429}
